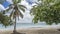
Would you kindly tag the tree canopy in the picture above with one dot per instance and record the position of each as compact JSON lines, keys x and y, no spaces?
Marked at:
{"x":47,"y":11}
{"x":5,"y":20}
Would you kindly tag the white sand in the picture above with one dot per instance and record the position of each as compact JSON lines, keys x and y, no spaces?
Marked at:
{"x":33,"y":30}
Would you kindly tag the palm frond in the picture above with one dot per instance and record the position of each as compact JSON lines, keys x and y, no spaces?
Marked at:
{"x":6,"y":10}
{"x":17,"y":12}
{"x":21,"y":15}
{"x":14,"y":15}
{"x":11,"y":14}
{"x":22,"y":8}
{"x":19,"y":1}
{"x":16,"y":1}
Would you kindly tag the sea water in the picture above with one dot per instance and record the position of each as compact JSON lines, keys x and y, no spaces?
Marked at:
{"x":23,"y":25}
{"x":26,"y":25}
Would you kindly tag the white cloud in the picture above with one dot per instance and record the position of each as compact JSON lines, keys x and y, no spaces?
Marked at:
{"x":1,"y":7}
{"x":27,"y":17}
{"x":10,"y":1}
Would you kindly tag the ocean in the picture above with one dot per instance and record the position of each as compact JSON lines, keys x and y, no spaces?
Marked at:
{"x":25,"y":25}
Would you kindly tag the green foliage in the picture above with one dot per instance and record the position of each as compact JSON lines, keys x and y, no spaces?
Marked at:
{"x":16,"y":1}
{"x":5,"y":20}
{"x":48,"y":11}
{"x":22,"y":7}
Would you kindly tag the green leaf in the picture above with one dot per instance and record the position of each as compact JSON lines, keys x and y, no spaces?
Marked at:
{"x":11,"y":14}
{"x":16,"y":1}
{"x":5,"y":20}
{"x":46,"y":12}
{"x":19,"y":1}
{"x":21,"y":7}
{"x":21,"y":15}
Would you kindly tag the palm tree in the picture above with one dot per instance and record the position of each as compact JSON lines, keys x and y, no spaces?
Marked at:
{"x":16,"y":7}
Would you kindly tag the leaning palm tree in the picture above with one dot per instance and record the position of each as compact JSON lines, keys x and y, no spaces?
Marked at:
{"x":16,"y":9}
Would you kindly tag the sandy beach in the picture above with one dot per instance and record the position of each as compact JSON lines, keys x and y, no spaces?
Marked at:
{"x":33,"y":31}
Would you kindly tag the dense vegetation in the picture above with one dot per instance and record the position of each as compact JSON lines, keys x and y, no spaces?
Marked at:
{"x":46,"y":11}
{"x":4,"y":19}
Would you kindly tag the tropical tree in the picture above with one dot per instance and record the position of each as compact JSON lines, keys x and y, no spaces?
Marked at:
{"x":5,"y":20}
{"x":47,"y":11}
{"x":15,"y":9}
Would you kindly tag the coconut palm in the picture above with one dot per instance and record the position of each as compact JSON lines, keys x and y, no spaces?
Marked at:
{"x":16,"y":9}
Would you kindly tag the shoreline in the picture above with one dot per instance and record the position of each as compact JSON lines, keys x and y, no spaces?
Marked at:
{"x":32,"y":28}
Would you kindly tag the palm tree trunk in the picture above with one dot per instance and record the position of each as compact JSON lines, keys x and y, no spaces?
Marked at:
{"x":14,"y":26}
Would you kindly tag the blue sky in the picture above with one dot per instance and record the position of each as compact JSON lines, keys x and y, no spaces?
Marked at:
{"x":6,"y":4}
{"x":31,"y":1}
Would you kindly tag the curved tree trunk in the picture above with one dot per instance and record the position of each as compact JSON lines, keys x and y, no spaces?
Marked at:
{"x":14,"y":31}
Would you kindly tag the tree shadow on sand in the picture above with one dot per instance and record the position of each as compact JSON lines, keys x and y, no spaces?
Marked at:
{"x":17,"y":32}
{"x":58,"y":29}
